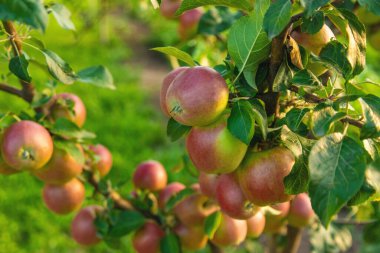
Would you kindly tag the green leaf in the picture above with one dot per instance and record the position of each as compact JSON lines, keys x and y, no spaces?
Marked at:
{"x":71,"y":148}
{"x":372,"y":5}
{"x":176,"y":130}
{"x":337,"y":166}
{"x":294,"y":118}
{"x":63,"y":16}
{"x":314,"y":23}
{"x":127,"y":222}
{"x":191,"y":4}
{"x":312,"y":5}
{"x":18,"y":65}
{"x":30,"y":12}
{"x":212,"y":223}
{"x":170,"y":243}
{"x":277,"y":17}
{"x":335,"y":54}
{"x":69,"y":130}
{"x":175,"y":199}
{"x":98,"y":76}
{"x":306,"y":78}
{"x":58,"y":68}
{"x":260,"y":116}
{"x":179,"y":54}
{"x":323,"y":120}
{"x":241,"y":122}
{"x":371,"y":112}
{"x":365,"y":192}
{"x":217,"y":20}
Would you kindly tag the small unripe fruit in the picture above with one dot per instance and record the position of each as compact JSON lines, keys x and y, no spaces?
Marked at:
{"x":275,"y":222}
{"x":150,"y":175}
{"x":62,"y":110}
{"x":169,"y":191}
{"x":83,"y":229}
{"x":256,"y":225}
{"x":168,"y":8}
{"x":147,"y":239}
{"x":191,"y":237}
{"x":230,"y":232}
{"x":63,"y":199}
{"x":207,"y":183}
{"x":188,"y":23}
{"x":301,"y":211}
{"x":104,"y":164}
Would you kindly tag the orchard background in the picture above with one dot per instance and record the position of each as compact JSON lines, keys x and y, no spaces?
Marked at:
{"x":118,"y":34}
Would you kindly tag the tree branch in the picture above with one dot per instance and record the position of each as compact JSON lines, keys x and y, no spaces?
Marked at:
{"x":11,"y":90}
{"x":294,"y":236}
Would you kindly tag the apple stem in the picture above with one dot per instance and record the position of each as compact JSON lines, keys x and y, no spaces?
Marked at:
{"x":294,"y":237}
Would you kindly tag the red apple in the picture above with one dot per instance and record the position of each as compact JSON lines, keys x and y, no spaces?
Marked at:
{"x":169,"y":191}
{"x":230,"y":232}
{"x":61,"y":108}
{"x":188,"y":23}
{"x":83,"y":229}
{"x":63,"y":199}
{"x":150,"y":175}
{"x":165,"y":86}
{"x":197,"y":97}
{"x":261,"y":175}
{"x":26,"y":145}
{"x":255,"y":225}
{"x":5,"y":169}
{"x":147,"y":239}
{"x":275,"y":222}
{"x":168,"y":8}
{"x":301,"y":211}
{"x":192,"y":237}
{"x":207,"y":183}
{"x":104,"y":164}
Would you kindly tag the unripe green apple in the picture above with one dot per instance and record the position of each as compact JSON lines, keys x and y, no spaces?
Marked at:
{"x":314,"y":42}
{"x":191,"y":237}
{"x":26,"y":145}
{"x":256,"y":225}
{"x":63,"y":199}
{"x":150,"y":175}
{"x":231,"y":198}
{"x":207,"y":183}
{"x":169,"y":191}
{"x":213,"y":149}
{"x":188,"y":23}
{"x":168,"y":8}
{"x":165,"y":86}
{"x":301,"y":212}
{"x":367,"y":17}
{"x":147,"y":239}
{"x":261,"y":175}
{"x":104,"y":164}
{"x":374,"y":40}
{"x":275,"y":222}
{"x":230,"y":232}
{"x":83,"y":229}
{"x":61,"y":108}
{"x":197,"y":97}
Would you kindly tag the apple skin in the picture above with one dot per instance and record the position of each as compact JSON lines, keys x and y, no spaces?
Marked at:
{"x":60,"y":169}
{"x":150,"y":175}
{"x":5,"y":169}
{"x":63,"y":199}
{"x":188,"y":23}
{"x":301,"y":212}
{"x":57,"y":110}
{"x":256,"y":225}
{"x":191,"y":237}
{"x":230,"y":232}
{"x":261,"y":175}
{"x":168,"y":8}
{"x":26,"y":145}
{"x":147,"y":239}
{"x":207,"y":183}
{"x":213,"y":149}
{"x":169,"y":191}
{"x":197,"y":97}
{"x":231,"y":198}
{"x":275,"y":222}
{"x":165,"y":86}
{"x":83,"y":229}
{"x":314,"y":42}
{"x":104,"y":164}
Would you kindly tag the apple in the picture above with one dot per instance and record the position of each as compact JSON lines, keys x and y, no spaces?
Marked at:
{"x":301,"y":211}
{"x":207,"y":183}
{"x":61,"y":168}
{"x":165,"y":86}
{"x":147,"y":239}
{"x":169,"y":191}
{"x":255,"y":225}
{"x":261,"y":175}
{"x":83,"y":229}
{"x":197,"y":97}
{"x":374,"y":40}
{"x":231,"y":198}
{"x":61,"y":108}
{"x":150,"y":175}
{"x":213,"y":149}
{"x":63,"y":199}
{"x":168,"y":8}
{"x":188,"y":23}
{"x":367,"y":17}
{"x":104,"y":164}
{"x":5,"y":169}
{"x":230,"y":232}
{"x":275,"y":222}
{"x":314,"y":42}
{"x":192,"y":237}
{"x":26,"y":145}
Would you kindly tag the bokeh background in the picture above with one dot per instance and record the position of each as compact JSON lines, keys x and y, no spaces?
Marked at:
{"x":117,"y":34}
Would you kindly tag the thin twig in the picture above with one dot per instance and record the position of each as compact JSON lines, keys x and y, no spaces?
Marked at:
{"x":294,"y":236}
{"x":11,"y":90}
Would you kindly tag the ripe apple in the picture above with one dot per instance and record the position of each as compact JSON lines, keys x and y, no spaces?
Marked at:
{"x":188,"y":23}
{"x":5,"y":169}
{"x":63,"y":199}
{"x":83,"y":229}
{"x":314,"y":42}
{"x":61,"y":108}
{"x":150,"y":175}
{"x":255,"y":225}
{"x":61,"y":168}
{"x":169,"y":191}
{"x":197,"y":97}
{"x":147,"y":239}
{"x":168,"y":8}
{"x":26,"y":145}
{"x":192,"y":237}
{"x":207,"y":183}
{"x":165,"y":86}
{"x":104,"y":164}
{"x":230,"y":232}
{"x":231,"y":198}
{"x":301,"y":212}
{"x":275,"y":222}
{"x":261,"y":175}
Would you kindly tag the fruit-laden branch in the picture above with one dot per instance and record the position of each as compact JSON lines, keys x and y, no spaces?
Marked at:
{"x":11,"y":90}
